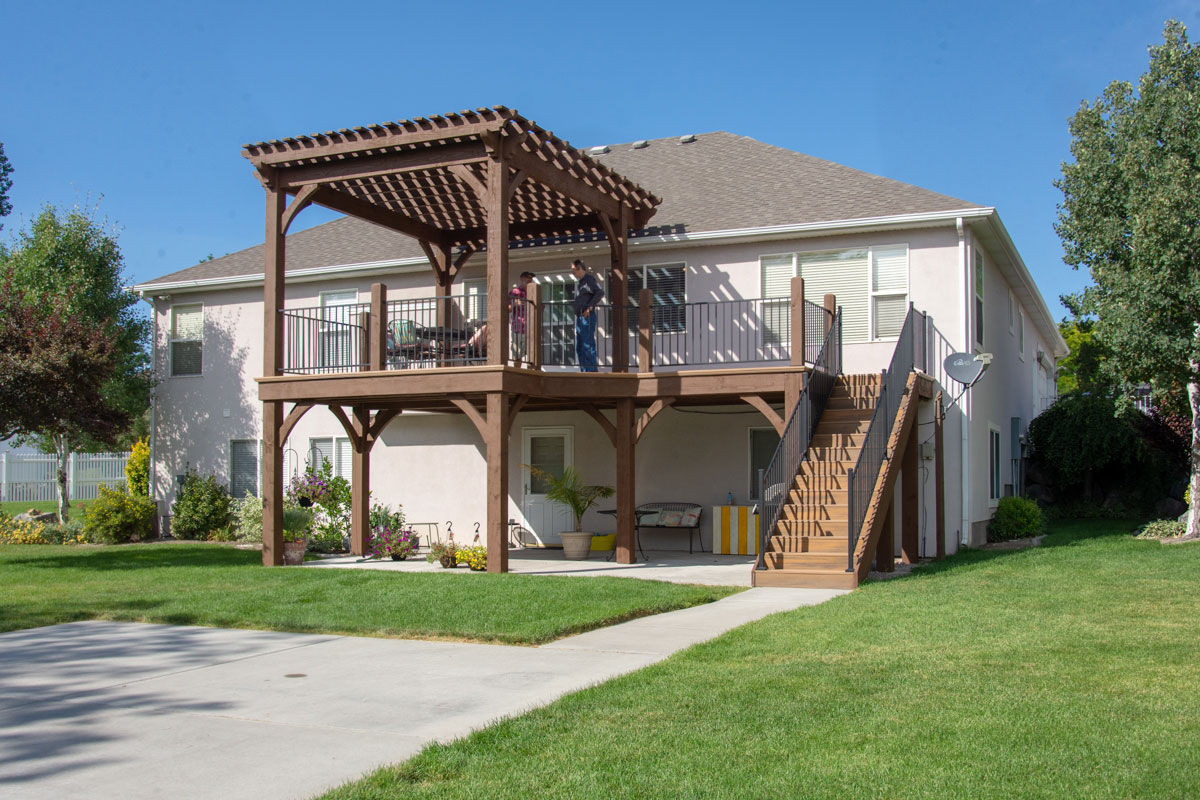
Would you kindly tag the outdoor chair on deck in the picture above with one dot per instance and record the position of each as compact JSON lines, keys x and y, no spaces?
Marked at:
{"x":404,"y":345}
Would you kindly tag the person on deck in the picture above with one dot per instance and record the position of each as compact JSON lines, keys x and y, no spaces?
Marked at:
{"x":588,"y":294}
{"x":516,"y":309}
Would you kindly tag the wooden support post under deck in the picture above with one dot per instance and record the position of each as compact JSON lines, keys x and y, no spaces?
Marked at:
{"x":360,"y":483}
{"x":273,"y":289}
{"x":910,"y":534}
{"x":496,"y":210}
{"x":885,"y":551}
{"x":533,"y":326}
{"x":798,"y":349}
{"x":377,"y":335}
{"x":645,"y":331}
{"x":939,"y":475}
{"x":496,"y":445}
{"x":626,"y":502}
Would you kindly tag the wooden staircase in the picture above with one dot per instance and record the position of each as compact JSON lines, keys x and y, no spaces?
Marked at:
{"x":809,"y":547}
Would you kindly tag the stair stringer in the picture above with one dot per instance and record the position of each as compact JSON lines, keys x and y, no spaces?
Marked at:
{"x":885,"y":485}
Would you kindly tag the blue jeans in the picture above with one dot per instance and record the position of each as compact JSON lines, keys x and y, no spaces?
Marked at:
{"x":585,"y":341}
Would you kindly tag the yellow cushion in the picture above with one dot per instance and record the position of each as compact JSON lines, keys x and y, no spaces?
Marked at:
{"x":606,"y":542}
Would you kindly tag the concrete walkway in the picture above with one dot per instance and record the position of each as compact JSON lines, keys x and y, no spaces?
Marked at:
{"x":124,"y":710}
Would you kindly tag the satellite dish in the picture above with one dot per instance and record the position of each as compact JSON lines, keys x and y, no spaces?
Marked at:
{"x":965,"y":367}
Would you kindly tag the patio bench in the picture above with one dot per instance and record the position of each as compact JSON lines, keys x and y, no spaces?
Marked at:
{"x":677,"y":516}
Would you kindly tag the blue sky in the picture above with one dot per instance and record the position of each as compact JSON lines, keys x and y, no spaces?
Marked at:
{"x":147,"y":105}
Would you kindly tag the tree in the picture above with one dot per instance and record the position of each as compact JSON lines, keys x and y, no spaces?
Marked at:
{"x":80,"y":373}
{"x":1131,"y":202}
{"x":1081,"y":370}
{"x":6,"y":171}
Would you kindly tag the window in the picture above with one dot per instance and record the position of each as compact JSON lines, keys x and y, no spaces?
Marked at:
{"x":475,"y":300}
{"x":993,"y":464}
{"x":336,"y":451}
{"x":339,"y":342}
{"x":777,"y":274}
{"x":889,"y":291}
{"x":871,"y":286}
{"x":979,"y":298}
{"x":243,"y":468}
{"x":763,"y":442}
{"x":1021,"y":333}
{"x":667,"y":283}
{"x":187,"y":339}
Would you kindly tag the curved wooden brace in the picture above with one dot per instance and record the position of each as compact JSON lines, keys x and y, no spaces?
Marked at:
{"x":467,"y":175}
{"x":518,"y":403}
{"x":302,"y":201}
{"x":651,"y":412}
{"x":291,"y":419}
{"x":463,"y":405}
{"x":340,"y":413}
{"x":765,"y":408}
{"x":518,"y":178}
{"x":609,"y":428}
{"x":382,"y":418}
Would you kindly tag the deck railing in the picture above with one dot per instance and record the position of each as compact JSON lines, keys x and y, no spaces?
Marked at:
{"x":324,"y":339}
{"x":430,"y":332}
{"x":778,"y":478}
{"x":912,"y":348}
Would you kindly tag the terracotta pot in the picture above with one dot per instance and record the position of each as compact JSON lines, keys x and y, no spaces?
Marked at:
{"x":293,"y":553}
{"x":577,"y":546}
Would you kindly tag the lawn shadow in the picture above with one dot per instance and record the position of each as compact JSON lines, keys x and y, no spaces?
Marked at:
{"x":138,"y":557}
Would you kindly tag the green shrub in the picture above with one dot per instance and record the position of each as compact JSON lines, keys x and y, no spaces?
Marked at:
{"x":117,"y":517}
{"x":201,"y":508}
{"x":1162,"y":529}
{"x":296,"y":524}
{"x":1015,"y":518}
{"x":137,"y":469}
{"x":247,"y":519}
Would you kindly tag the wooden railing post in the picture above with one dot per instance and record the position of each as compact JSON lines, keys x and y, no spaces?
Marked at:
{"x":364,"y":341}
{"x":533,"y":326}
{"x":798,"y":349}
{"x":377,"y":335}
{"x":830,"y":311}
{"x":645,"y":331}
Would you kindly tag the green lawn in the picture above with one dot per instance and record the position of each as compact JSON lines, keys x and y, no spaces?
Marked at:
{"x":208,"y":584}
{"x":11,"y":509}
{"x":1072,"y":670}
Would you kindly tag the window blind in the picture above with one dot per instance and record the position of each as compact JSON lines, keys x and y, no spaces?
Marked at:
{"x":777,"y":274}
{"x":187,"y":335}
{"x":243,"y":468}
{"x":844,"y":274}
{"x":889,"y":282}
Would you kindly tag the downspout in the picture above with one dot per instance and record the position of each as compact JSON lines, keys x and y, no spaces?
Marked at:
{"x":152,"y":477}
{"x":965,"y":463}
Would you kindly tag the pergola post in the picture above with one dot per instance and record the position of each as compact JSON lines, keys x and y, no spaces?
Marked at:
{"x":496,"y":209}
{"x":617,"y":231}
{"x":360,"y":482}
{"x":496,"y":445}
{"x":377,"y":335}
{"x":273,"y":288}
{"x":626,"y":502}
{"x":645,"y":331}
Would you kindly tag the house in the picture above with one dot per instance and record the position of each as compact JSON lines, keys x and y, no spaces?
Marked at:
{"x":745,"y":285}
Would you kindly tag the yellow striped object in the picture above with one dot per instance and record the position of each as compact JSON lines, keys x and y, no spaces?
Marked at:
{"x":735,"y":530}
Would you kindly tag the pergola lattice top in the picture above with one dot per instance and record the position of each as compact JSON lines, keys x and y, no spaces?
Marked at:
{"x":426,"y":177}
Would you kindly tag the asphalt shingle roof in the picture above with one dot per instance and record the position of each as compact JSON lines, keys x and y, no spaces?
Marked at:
{"x":719,"y":181}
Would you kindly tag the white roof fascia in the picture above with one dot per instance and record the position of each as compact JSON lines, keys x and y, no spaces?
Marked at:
{"x":767,"y":232}
{"x":1040,"y":312}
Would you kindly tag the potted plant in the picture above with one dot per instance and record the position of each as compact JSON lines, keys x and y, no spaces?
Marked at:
{"x":444,"y":553}
{"x":397,"y":545}
{"x":296,"y":522}
{"x":571,"y":491}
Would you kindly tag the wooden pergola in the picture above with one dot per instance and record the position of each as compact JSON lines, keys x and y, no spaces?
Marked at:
{"x":460,"y":184}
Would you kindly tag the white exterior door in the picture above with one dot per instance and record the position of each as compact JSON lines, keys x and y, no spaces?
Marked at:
{"x":551,"y":450}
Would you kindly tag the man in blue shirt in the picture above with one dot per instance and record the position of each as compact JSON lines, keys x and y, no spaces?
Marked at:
{"x":587,"y":295}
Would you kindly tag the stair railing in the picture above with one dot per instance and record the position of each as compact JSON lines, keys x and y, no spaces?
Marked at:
{"x":911,"y":353}
{"x":776,"y":481}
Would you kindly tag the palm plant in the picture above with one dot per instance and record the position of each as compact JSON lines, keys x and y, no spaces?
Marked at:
{"x":571,"y":491}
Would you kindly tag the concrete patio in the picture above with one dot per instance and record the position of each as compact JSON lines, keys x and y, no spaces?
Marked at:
{"x":661,"y":565}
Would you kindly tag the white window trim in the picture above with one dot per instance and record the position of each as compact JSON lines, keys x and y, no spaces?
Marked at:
{"x":333,"y":461}
{"x":1021,"y":333}
{"x":171,"y":340}
{"x":480,"y":284}
{"x":751,"y":494}
{"x":998,"y":463}
{"x":871,"y":293}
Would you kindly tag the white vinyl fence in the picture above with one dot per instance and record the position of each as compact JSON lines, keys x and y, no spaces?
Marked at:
{"x":31,"y":477}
